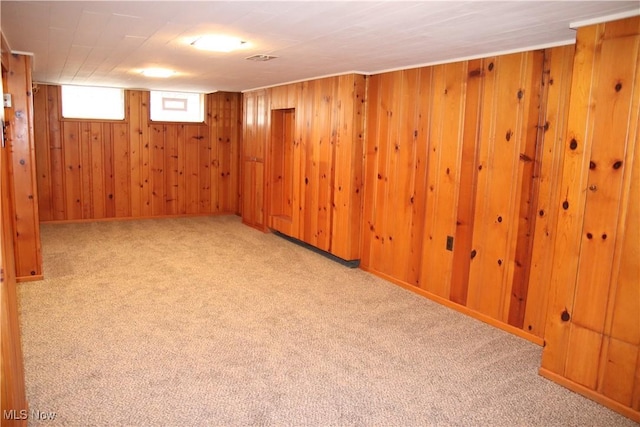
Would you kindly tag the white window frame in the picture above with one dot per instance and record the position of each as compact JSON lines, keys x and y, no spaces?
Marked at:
{"x":182,"y":107}
{"x":92,"y":103}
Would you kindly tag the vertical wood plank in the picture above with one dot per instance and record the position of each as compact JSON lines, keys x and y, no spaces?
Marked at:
{"x":385,"y":123}
{"x":98,"y":191}
{"x":218,"y":161}
{"x":233,"y":134}
{"x":525,"y":215}
{"x":43,"y":155}
{"x":605,"y":182}
{"x":299,"y":161}
{"x":146,"y":190}
{"x":557,"y":80}
{"x":324,"y":158}
{"x":171,"y":171}
{"x":623,"y":316}
{"x":420,"y":167}
{"x":182,"y":176}
{"x":204,"y":174}
{"x":109,"y":181}
{"x":86,"y":137}
{"x":136,"y":143}
{"x":73,"y":180}
{"x":157,"y":133}
{"x":502,"y":136}
{"x":582,"y":366}
{"x":312,"y":166}
{"x":444,"y":175}
{"x":402,"y":151}
{"x":55,"y":131}
{"x":348,"y":179}
{"x":121,"y":167}
{"x":191,"y":168}
{"x":619,"y":369}
{"x":572,"y":199}
{"x":463,"y":242}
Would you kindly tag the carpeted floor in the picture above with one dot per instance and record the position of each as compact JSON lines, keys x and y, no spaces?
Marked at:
{"x":206,"y":322}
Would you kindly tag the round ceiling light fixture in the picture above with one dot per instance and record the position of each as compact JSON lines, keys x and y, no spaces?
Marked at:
{"x":158,"y":72}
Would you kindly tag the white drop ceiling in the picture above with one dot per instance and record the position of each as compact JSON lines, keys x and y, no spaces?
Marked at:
{"x":106,"y":43}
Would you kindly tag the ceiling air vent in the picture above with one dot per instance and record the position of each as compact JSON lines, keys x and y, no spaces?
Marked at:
{"x":261,"y":58}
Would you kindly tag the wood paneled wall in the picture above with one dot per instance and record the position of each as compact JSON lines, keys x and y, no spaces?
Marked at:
{"x":593,"y":331}
{"x":13,"y":396}
{"x":24,"y":194}
{"x":89,"y":170}
{"x":12,"y":387}
{"x":453,"y":181}
{"x":323,"y":159}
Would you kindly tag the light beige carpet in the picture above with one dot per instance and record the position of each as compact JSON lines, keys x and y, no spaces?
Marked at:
{"x":206,"y":322}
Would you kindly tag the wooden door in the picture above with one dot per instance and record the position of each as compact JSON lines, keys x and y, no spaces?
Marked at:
{"x":253,"y":159}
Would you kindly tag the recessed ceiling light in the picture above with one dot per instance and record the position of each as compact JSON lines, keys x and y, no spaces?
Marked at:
{"x":158,"y":72}
{"x":219,"y":43}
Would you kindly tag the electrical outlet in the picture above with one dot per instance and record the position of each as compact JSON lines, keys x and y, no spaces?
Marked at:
{"x":450,"y":243}
{"x":6,"y":100}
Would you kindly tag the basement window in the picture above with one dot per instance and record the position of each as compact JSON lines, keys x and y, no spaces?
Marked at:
{"x":91,"y":102}
{"x":176,"y":107}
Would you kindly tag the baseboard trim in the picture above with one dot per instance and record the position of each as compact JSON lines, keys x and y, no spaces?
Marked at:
{"x":591,"y":394}
{"x":353,"y":263}
{"x":460,"y":308}
{"x":33,"y":278}
{"x":134,"y":218}
{"x":261,"y":228}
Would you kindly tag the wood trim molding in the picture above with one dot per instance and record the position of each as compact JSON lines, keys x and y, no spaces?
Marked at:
{"x":134,"y":218}
{"x":460,"y":308}
{"x":6,"y":50}
{"x":591,"y":394}
{"x":34,"y":278}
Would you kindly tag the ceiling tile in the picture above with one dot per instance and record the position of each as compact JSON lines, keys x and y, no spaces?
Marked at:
{"x":105,"y":42}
